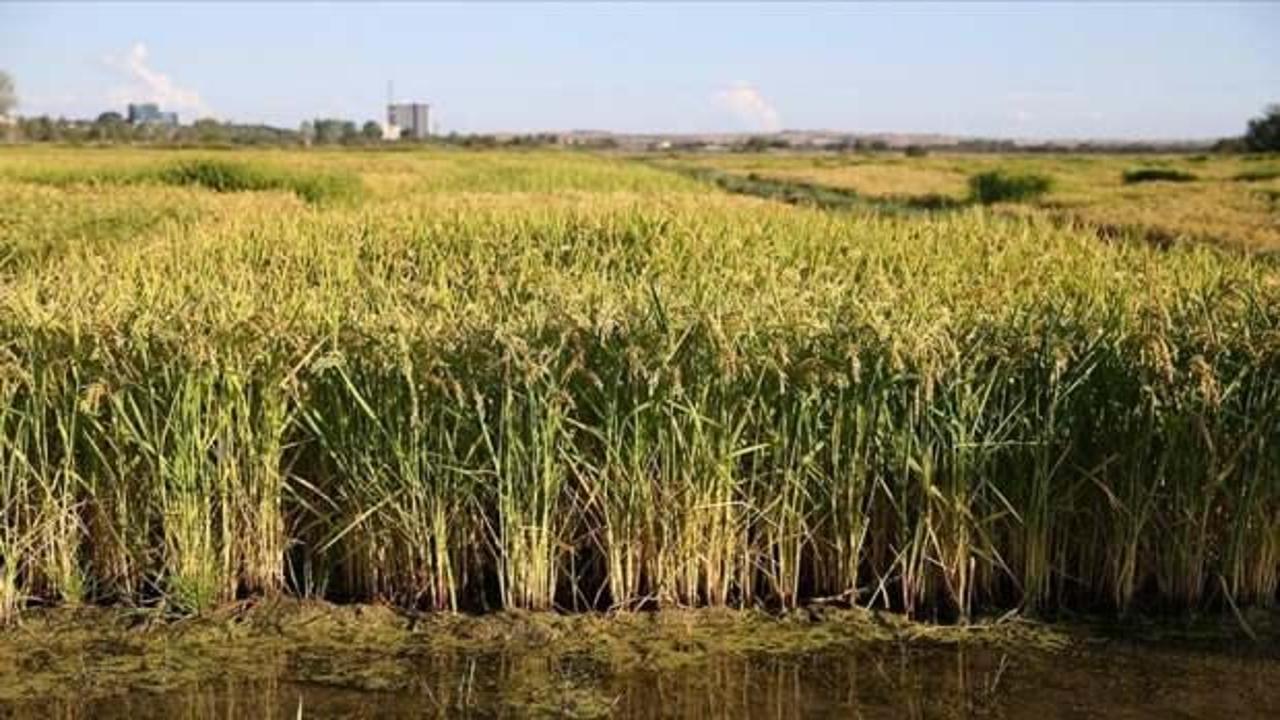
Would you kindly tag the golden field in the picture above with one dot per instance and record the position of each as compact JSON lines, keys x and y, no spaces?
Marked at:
{"x":547,"y":379}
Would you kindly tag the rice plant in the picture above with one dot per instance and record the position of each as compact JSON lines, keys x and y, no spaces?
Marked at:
{"x":556,"y":381}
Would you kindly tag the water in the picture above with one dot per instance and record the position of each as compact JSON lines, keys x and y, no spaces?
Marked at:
{"x":1114,"y":679}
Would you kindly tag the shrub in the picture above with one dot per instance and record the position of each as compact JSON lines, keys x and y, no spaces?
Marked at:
{"x":1000,"y":186}
{"x":916,"y":151}
{"x":1141,"y":175}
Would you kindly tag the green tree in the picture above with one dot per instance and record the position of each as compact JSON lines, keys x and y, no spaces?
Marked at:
{"x":110,"y":125}
{"x":760,"y":143}
{"x":333,"y":130}
{"x":209,"y":130}
{"x":39,"y":129}
{"x":371,"y":131}
{"x":1263,"y":134}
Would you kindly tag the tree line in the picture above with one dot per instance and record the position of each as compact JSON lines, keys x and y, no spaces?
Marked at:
{"x":1262,"y":134}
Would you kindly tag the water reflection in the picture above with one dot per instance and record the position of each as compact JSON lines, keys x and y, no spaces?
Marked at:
{"x":887,"y":682}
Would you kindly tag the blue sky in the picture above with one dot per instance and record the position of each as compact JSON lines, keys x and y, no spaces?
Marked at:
{"x":1166,"y":70}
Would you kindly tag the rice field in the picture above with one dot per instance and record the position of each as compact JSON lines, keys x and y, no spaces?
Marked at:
{"x":1231,"y":201}
{"x":554,"y":380}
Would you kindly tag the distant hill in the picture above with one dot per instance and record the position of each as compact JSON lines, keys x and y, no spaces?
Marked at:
{"x":831,"y":139}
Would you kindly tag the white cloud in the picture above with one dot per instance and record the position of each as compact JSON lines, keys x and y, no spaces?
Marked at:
{"x":750,"y":107}
{"x":146,"y":84}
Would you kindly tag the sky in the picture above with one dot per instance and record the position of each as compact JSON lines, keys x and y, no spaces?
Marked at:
{"x":1052,"y":70}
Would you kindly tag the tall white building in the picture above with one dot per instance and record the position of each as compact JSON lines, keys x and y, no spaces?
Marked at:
{"x":411,"y":120}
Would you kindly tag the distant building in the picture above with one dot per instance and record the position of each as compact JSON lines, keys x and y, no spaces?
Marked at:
{"x":150,"y":114}
{"x":411,"y":120}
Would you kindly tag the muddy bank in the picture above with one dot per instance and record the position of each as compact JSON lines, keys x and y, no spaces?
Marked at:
{"x":369,"y":647}
{"x":374,"y":661}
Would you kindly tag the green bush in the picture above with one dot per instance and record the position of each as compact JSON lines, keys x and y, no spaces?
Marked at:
{"x":916,"y":151}
{"x":1141,"y":175}
{"x":999,"y":186}
{"x":225,"y":176}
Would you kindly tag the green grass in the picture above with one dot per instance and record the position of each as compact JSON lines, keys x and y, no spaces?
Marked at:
{"x":545,"y":385}
{"x":998,"y":186}
{"x":1156,"y":174}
